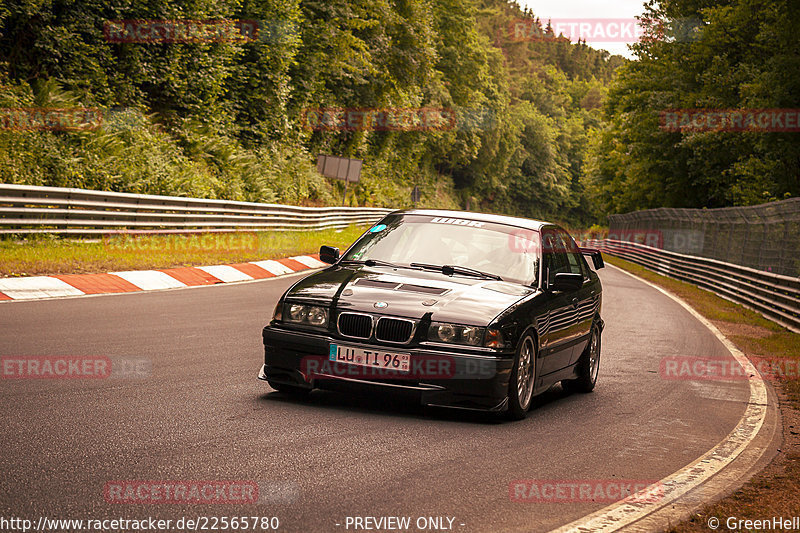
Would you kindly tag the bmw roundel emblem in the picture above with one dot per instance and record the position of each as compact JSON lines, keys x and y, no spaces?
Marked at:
{"x":380,"y":305}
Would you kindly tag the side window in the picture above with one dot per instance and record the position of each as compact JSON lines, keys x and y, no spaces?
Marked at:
{"x":555,"y":256}
{"x":576,"y":263}
{"x":584,"y":266}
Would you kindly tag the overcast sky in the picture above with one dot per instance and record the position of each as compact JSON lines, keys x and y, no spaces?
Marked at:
{"x":588,"y":9}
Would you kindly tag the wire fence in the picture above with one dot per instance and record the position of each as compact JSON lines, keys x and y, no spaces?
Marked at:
{"x":765,"y":237}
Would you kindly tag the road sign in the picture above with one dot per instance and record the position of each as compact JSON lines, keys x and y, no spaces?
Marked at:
{"x":341,"y":168}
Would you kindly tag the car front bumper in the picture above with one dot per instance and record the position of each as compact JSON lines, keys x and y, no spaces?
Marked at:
{"x":471,"y":381}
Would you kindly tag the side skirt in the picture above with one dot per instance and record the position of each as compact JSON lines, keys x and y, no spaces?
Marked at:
{"x":543,"y":383}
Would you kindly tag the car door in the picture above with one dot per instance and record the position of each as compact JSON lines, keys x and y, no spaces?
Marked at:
{"x":555,"y":325}
{"x":582,"y":300}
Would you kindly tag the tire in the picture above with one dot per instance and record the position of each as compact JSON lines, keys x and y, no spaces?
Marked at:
{"x":522,"y":380}
{"x":291,"y":390}
{"x":588,"y":366}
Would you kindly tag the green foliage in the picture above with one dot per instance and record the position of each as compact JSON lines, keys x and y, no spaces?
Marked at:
{"x":742,"y":55}
{"x":226,"y":119}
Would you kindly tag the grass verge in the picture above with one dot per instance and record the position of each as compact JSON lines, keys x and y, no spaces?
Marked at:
{"x":45,"y":255}
{"x":775,"y":491}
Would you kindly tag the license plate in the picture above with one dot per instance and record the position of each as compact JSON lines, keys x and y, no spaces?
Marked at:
{"x":370,"y":358}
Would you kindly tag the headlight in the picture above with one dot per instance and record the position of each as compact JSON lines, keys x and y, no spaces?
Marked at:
{"x":277,"y":315}
{"x":445,"y":332}
{"x":317,"y":316}
{"x":455,"y":334}
{"x":297,"y":313}
{"x":311,"y":315}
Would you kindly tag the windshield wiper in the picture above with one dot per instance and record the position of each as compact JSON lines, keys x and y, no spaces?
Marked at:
{"x":449,"y":270}
{"x":374,"y":262}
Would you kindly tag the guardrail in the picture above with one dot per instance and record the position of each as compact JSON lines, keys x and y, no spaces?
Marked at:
{"x":775,"y":296}
{"x":28,"y":209}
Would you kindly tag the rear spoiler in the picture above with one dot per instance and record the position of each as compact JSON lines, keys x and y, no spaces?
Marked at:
{"x":597,"y":257}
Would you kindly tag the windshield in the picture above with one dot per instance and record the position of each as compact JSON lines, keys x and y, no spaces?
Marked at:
{"x":505,"y":251}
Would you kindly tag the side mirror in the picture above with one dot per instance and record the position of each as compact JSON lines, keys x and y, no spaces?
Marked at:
{"x":567,"y":281}
{"x":328,"y":254}
{"x":597,"y":257}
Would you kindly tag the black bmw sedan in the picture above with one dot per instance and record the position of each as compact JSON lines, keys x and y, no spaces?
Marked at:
{"x":456,"y":309}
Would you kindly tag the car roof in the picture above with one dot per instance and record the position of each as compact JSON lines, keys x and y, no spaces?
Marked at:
{"x":482,"y":217}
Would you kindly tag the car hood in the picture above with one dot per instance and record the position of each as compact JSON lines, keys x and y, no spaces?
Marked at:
{"x":409,"y":293}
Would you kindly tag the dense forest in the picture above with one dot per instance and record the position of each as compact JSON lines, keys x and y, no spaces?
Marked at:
{"x":226,"y":119}
{"x":543,"y":128}
{"x":710,"y":55}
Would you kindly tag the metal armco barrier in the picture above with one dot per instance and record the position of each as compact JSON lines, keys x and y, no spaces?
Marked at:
{"x":775,"y":296}
{"x":28,"y":209}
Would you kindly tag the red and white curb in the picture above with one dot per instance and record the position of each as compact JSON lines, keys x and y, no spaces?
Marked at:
{"x":65,"y":285}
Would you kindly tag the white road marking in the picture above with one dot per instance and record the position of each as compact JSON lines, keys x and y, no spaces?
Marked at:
{"x":150,"y":280}
{"x":226,"y":273}
{"x":273,"y":266}
{"x":624,"y":513}
{"x":309,"y":261}
{"x":37,"y":287}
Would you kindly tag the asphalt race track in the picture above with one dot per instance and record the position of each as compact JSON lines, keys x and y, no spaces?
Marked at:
{"x":201,"y":414}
